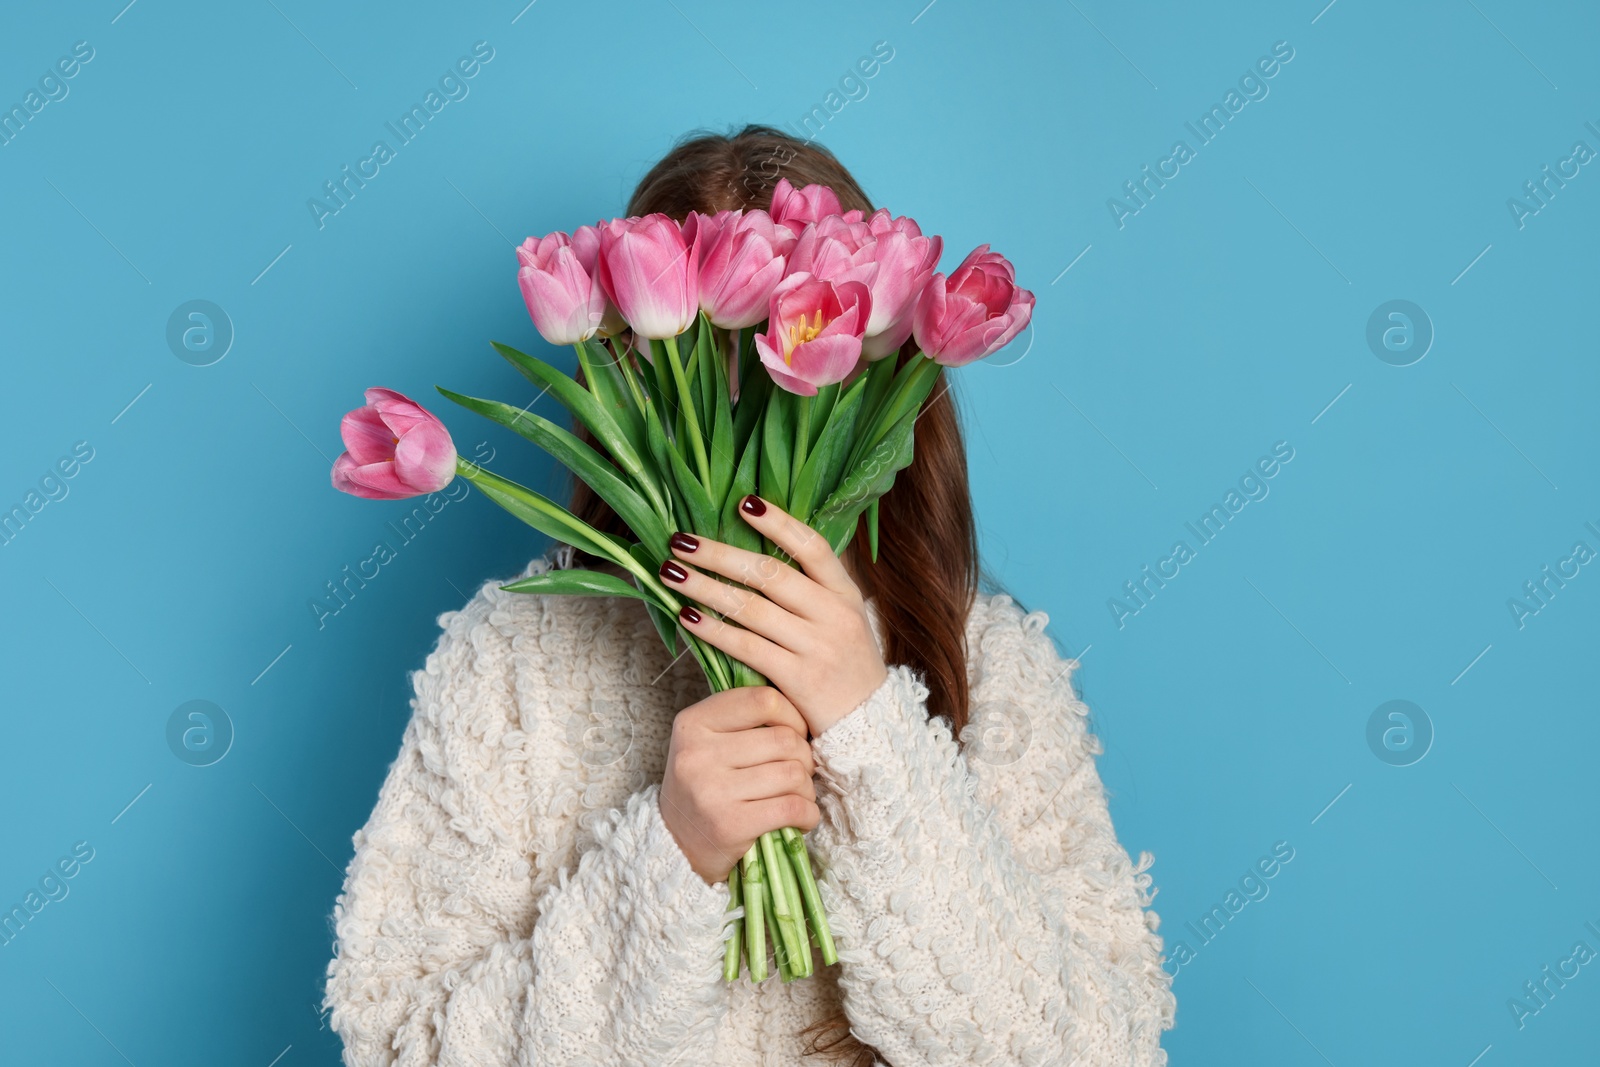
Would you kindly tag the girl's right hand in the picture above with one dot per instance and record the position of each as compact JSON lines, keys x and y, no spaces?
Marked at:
{"x":738,"y":765}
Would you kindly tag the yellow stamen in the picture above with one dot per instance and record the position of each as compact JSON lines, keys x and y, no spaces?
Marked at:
{"x":799,"y":334}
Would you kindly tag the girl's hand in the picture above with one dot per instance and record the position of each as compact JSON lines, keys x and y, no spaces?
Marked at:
{"x":808,"y":633}
{"x":738,"y":765}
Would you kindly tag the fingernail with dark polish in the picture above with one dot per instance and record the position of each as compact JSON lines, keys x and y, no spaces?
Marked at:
{"x":753,"y":505}
{"x":683,"y":542}
{"x":672,"y":572}
{"x":688,"y":614}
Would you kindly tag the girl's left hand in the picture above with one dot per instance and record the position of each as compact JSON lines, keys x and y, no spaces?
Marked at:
{"x":808,"y":633}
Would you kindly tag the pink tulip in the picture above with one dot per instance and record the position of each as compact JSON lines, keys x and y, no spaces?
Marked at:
{"x":646,"y":270}
{"x":813,"y":333}
{"x":889,"y":254}
{"x":974,"y":312}
{"x":809,"y":203}
{"x":906,"y":260}
{"x":561,"y":290}
{"x":738,"y":262}
{"x":586,"y":243}
{"x":395,"y":448}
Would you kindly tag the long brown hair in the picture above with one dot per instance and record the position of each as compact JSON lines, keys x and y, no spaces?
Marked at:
{"x":926,"y":574}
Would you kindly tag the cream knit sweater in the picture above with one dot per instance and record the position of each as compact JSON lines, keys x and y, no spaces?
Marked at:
{"x":516,"y":899}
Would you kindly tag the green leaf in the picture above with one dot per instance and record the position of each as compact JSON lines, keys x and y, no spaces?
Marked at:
{"x":577,"y":583}
{"x":755,"y":384}
{"x":579,"y":458}
{"x":723,"y":446}
{"x":584,"y":407}
{"x":910,"y":388}
{"x":702,"y":512}
{"x":663,"y":392}
{"x":777,"y":443}
{"x":826,"y":461}
{"x":707,"y":354}
{"x":603,"y":374}
{"x":821,"y":410}
{"x":662,"y":452}
{"x":733,"y":529}
{"x":867,"y":480}
{"x":872,"y":527}
{"x":544,"y":515}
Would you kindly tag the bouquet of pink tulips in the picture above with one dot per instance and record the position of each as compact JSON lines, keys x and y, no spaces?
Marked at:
{"x":738,"y":353}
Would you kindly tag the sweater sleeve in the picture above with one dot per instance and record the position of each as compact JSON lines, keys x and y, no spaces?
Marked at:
{"x":443,"y":954}
{"x":983,"y":909}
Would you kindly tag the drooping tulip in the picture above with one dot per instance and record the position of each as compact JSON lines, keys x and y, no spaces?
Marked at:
{"x":563,"y":295}
{"x":395,"y":449}
{"x":737,"y":256}
{"x":809,"y":203}
{"x":647,"y":271}
{"x":974,"y":312}
{"x":813,"y":333}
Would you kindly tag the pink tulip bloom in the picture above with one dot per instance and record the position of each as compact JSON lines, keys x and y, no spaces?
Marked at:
{"x":974,"y":312}
{"x":562,"y":293}
{"x":889,"y":254}
{"x":739,"y":264}
{"x":395,"y":448}
{"x":809,"y":203}
{"x":906,"y":260}
{"x":647,"y":271}
{"x":586,"y":243}
{"x":813,"y":333}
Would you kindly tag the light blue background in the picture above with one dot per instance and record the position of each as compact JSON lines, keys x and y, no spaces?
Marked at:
{"x":1227,"y":315}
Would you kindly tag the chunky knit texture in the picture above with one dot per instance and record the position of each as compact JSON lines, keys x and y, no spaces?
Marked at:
{"x":515,"y":897}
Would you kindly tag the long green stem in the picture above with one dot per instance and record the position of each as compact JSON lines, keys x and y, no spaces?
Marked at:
{"x":800,"y":859}
{"x":783,"y":910}
{"x":755,"y":930}
{"x":686,"y":409}
{"x":801,"y":963}
{"x":730,"y":955}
